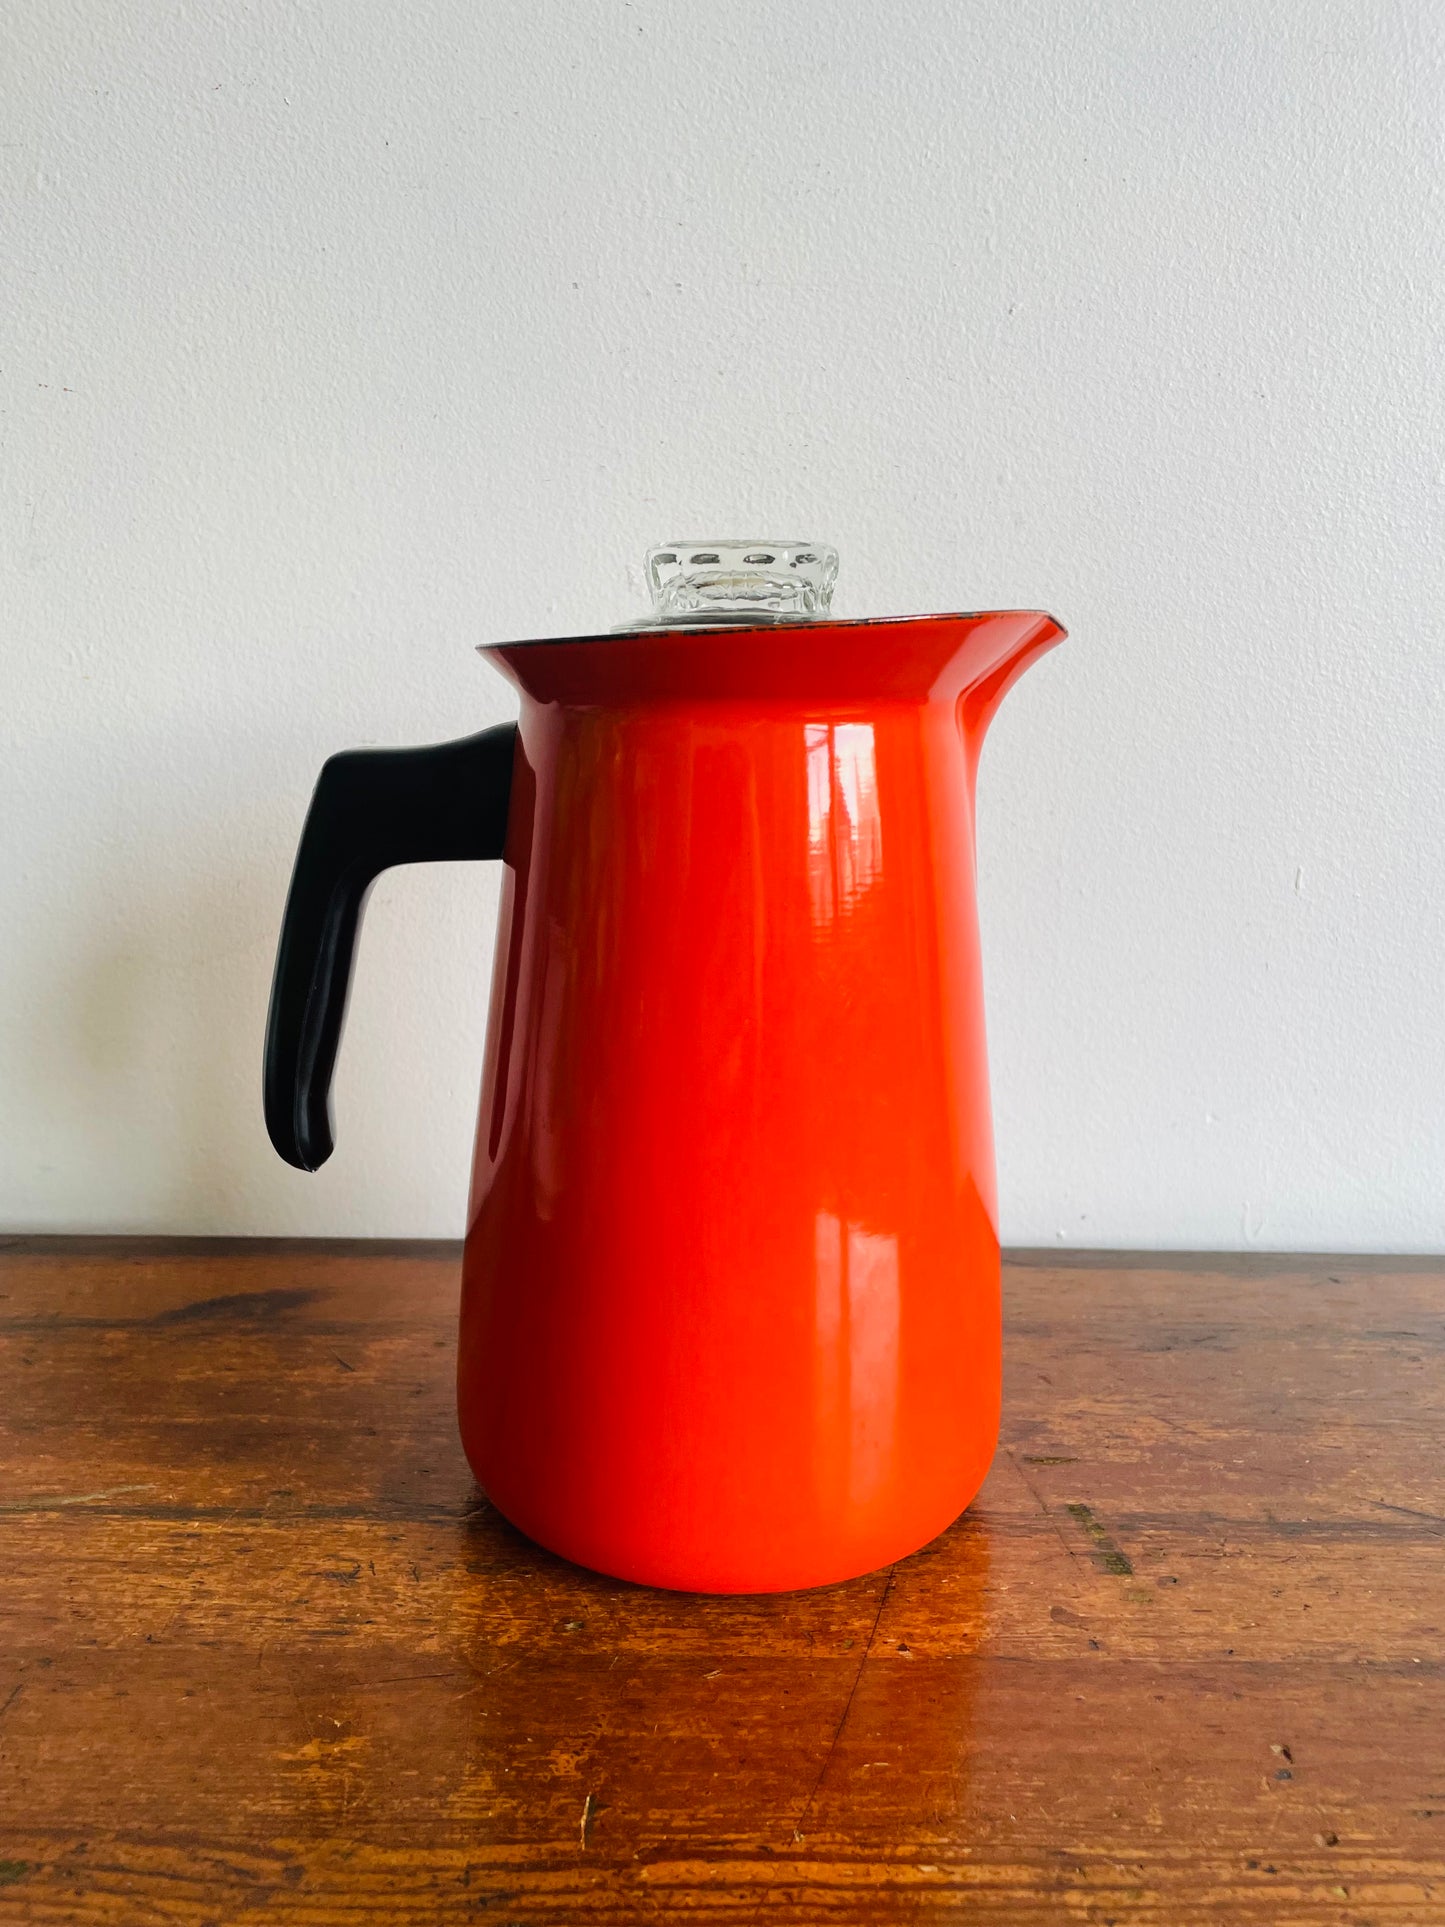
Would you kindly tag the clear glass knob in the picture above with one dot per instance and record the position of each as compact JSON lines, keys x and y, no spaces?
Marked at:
{"x":703,"y":582}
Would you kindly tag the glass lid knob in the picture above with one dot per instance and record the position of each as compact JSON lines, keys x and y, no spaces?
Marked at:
{"x":700,"y":582}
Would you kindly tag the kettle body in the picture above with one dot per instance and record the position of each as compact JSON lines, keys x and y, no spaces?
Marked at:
{"x":730,"y":1295}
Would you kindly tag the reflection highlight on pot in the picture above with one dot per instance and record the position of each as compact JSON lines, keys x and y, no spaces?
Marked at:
{"x":857,"y":1347}
{"x":845,"y":834}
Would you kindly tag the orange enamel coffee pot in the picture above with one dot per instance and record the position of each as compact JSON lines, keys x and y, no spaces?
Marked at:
{"x":730,"y":1293}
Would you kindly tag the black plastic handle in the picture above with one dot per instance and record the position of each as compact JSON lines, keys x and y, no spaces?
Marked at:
{"x":372,"y":808}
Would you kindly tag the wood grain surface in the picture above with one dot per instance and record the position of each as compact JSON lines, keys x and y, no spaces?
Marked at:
{"x":266,"y":1655}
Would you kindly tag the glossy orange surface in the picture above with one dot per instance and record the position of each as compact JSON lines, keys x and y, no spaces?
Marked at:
{"x":730,"y":1313}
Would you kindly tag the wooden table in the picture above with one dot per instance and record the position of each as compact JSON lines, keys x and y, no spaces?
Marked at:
{"x":266,"y":1655}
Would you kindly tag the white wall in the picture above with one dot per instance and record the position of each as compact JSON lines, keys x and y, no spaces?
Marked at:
{"x":342,"y":335}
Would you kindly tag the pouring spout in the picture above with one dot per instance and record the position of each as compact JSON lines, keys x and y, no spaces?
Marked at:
{"x":1005,"y":647}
